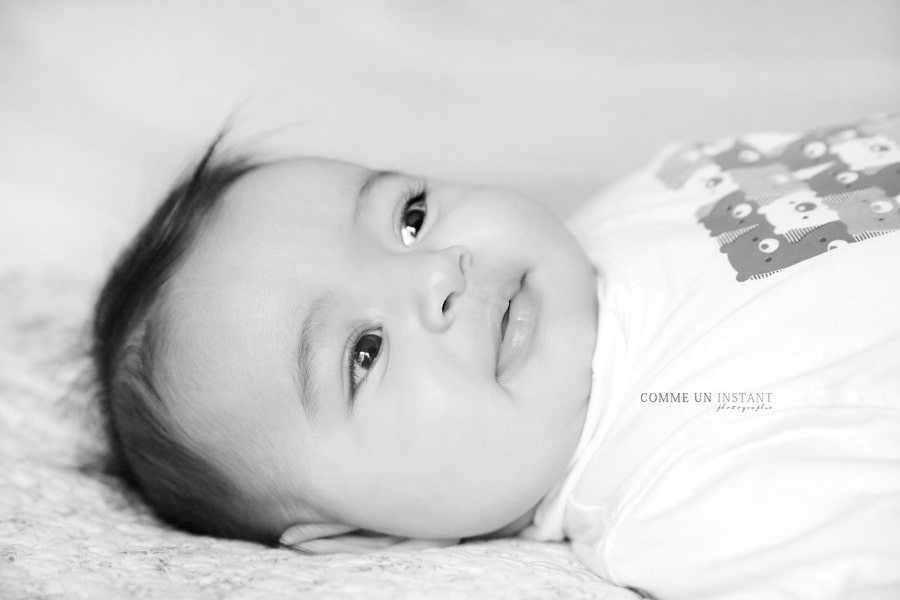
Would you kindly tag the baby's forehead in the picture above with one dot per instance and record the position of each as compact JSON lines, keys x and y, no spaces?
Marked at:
{"x":236,"y":303}
{"x":278,"y":199}
{"x":298,"y":178}
{"x":279,"y":211}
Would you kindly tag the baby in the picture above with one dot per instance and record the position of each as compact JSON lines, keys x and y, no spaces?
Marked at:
{"x":313,"y":342}
{"x":686,"y":381}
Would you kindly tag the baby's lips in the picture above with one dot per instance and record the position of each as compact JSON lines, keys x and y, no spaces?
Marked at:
{"x":491,"y":302}
{"x":519,"y":331}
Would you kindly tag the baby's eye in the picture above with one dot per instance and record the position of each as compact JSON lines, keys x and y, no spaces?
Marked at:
{"x":363,"y":354}
{"x":413,"y":217}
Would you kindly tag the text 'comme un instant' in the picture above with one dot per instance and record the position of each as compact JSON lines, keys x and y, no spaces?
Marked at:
{"x":726,"y":401}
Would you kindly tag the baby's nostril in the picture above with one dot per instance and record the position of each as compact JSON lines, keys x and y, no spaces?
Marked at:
{"x":446,"y":305}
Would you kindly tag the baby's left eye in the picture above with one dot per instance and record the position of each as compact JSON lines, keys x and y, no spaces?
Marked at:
{"x":413,"y":217}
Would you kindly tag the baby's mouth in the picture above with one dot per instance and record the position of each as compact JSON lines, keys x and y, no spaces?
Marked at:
{"x":502,"y":326}
{"x":515,"y":330}
{"x":504,"y":322}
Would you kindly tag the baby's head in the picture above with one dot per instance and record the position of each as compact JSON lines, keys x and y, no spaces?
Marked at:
{"x":310,"y":341}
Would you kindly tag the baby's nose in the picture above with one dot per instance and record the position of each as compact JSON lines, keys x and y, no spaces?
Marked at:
{"x":442,"y":279}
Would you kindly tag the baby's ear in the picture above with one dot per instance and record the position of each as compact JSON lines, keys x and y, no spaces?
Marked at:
{"x":333,"y":538}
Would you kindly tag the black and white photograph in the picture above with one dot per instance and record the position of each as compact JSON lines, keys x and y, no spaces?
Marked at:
{"x":482,"y":300}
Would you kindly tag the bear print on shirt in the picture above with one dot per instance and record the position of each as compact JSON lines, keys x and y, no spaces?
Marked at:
{"x":774,"y":200}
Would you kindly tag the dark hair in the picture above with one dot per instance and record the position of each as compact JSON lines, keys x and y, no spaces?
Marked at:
{"x":146,"y":448}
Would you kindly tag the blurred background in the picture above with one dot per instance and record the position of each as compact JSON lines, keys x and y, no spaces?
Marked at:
{"x":104,"y":102}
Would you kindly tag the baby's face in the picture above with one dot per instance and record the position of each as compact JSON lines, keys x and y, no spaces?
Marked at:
{"x":396,"y":354}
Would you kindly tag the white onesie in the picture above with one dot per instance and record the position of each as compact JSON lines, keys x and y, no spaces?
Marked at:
{"x":743,"y":437}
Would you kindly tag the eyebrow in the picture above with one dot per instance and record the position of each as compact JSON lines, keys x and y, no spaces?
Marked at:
{"x":310,"y":342}
{"x":367,"y":184}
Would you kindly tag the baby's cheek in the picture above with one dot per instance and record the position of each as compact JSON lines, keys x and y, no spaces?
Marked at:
{"x":499,"y":215}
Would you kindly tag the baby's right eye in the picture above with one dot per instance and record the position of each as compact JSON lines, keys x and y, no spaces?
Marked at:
{"x":363,"y":354}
